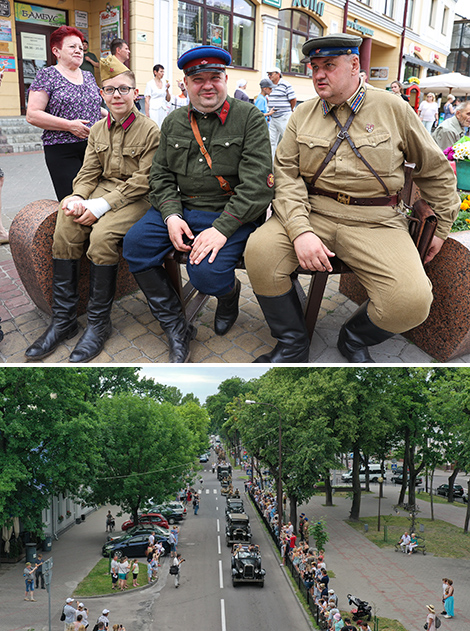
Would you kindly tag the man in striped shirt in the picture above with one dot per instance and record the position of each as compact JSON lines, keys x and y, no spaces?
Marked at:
{"x":282,"y":100}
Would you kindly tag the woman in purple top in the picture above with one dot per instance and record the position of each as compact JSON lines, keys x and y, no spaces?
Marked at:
{"x":65,"y":102}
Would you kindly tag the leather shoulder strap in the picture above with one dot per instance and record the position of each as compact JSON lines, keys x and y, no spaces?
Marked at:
{"x":224,"y":185}
{"x":358,"y":154}
{"x":339,"y":139}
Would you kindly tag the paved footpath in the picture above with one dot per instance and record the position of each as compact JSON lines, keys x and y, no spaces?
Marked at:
{"x":137,"y":337}
{"x":396,"y":585}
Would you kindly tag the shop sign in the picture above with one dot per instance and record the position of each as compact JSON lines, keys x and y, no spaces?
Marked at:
{"x":8,"y":63}
{"x":33,"y":46}
{"x":312,"y":5}
{"x":379,"y":74}
{"x":5,"y":31}
{"x":355,"y":26}
{"x":5,"y":10}
{"x":81,"y":19}
{"x":109,"y":26}
{"x":273,"y":3}
{"x":32,"y":14}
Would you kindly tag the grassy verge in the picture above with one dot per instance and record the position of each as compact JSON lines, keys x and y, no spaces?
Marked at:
{"x":384,"y":624}
{"x":438,"y":499}
{"x":98,"y":581}
{"x":442,"y":539}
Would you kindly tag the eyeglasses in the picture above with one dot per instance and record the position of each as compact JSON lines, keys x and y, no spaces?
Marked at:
{"x":122,"y":89}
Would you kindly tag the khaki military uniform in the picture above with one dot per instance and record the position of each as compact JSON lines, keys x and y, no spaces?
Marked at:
{"x":116,"y":167}
{"x":372,"y":240}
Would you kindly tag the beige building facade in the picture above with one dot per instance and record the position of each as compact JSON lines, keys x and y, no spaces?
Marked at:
{"x":258,"y":34}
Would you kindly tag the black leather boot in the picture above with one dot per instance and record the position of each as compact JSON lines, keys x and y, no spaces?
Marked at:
{"x":286,"y":320}
{"x":226,"y":313}
{"x":64,"y":309}
{"x":357,"y":334}
{"x":166,"y":307}
{"x":99,"y":327}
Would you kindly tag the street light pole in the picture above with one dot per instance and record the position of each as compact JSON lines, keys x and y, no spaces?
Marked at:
{"x":279,"y":466}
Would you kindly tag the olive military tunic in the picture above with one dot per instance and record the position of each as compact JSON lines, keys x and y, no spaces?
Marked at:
{"x":116,"y":167}
{"x":236,"y":138}
{"x":372,"y":240}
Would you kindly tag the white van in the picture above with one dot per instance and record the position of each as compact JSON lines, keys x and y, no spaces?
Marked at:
{"x":374,"y":474}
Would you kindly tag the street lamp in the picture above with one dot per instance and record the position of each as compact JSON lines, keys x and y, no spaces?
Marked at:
{"x":279,"y":478}
{"x":380,"y":481}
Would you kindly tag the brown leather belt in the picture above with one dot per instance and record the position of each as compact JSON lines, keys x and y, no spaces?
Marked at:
{"x":391,"y":200}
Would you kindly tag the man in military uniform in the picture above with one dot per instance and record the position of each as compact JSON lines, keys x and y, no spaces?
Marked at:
{"x":211,"y":184}
{"x":347,"y":208}
{"x":109,"y":196}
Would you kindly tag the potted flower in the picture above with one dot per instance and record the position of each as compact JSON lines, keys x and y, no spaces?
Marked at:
{"x":461,"y":151}
{"x":69,"y":514}
{"x":60,"y":518}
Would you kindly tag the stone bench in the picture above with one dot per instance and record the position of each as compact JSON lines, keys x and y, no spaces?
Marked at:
{"x":445,"y":335}
{"x":31,"y":236}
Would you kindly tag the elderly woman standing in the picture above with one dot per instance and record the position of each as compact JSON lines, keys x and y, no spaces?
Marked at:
{"x":157,"y":96}
{"x":65,"y":102}
{"x":428,"y":111}
{"x":449,"y":109}
{"x":240,"y":92}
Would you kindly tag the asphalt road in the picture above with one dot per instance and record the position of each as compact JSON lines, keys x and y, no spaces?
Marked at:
{"x":205,"y":598}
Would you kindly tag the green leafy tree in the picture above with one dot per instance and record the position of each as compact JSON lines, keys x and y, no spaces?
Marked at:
{"x":47,"y":440}
{"x":147,"y":449}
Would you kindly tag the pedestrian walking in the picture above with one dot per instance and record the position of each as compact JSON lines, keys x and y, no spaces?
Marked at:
{"x":430,"y":624}
{"x":175,"y":568}
{"x":282,"y":100}
{"x":28,"y":574}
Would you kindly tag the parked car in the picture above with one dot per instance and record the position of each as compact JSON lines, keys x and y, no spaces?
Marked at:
{"x":237,"y":529}
{"x":133,"y":546}
{"x":374,"y":474}
{"x":246,"y":566}
{"x":397,"y":477}
{"x":151,"y":519}
{"x":140,"y":530}
{"x":177,"y":505}
{"x":172,"y":515}
{"x":203,"y":458}
{"x":465,"y":496}
{"x":443,"y":489}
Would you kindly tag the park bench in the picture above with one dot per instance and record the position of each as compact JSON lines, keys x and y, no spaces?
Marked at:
{"x":421,"y":547}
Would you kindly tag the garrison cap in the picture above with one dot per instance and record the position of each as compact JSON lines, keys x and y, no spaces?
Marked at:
{"x":204,"y":59}
{"x":111,"y":67}
{"x":332,"y":45}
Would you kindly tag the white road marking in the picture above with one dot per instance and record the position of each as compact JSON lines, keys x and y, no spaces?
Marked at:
{"x":207,"y":491}
{"x":214,"y":491}
{"x":218,"y":544}
{"x":221,"y":576}
{"x":218,"y":526}
{"x":222,"y":614}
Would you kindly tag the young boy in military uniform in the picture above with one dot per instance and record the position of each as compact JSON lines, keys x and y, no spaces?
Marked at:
{"x":110,"y":193}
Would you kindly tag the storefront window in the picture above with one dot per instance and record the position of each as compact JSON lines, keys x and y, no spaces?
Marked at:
{"x":411,"y":70}
{"x":229,"y":24}
{"x":294,"y":28}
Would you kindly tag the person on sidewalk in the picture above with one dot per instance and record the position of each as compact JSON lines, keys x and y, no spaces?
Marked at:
{"x":28,"y":574}
{"x":331,"y":203}
{"x":70,"y":615}
{"x":104,"y":618}
{"x":430,"y":624}
{"x":211,"y":184}
{"x":453,"y":129}
{"x":449,"y":599}
{"x":109,"y":196}
{"x":283,"y":101}
{"x":39,"y":574}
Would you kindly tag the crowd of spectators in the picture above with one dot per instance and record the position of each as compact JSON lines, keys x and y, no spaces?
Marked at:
{"x":306,"y":561}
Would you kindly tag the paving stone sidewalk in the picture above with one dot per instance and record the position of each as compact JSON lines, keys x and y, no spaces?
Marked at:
{"x":137,"y":337}
{"x":396,"y":585}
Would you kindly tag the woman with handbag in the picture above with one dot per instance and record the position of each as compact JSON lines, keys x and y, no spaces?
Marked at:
{"x":430,"y":619}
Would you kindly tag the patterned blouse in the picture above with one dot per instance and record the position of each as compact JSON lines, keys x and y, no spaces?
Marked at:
{"x":67,"y":100}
